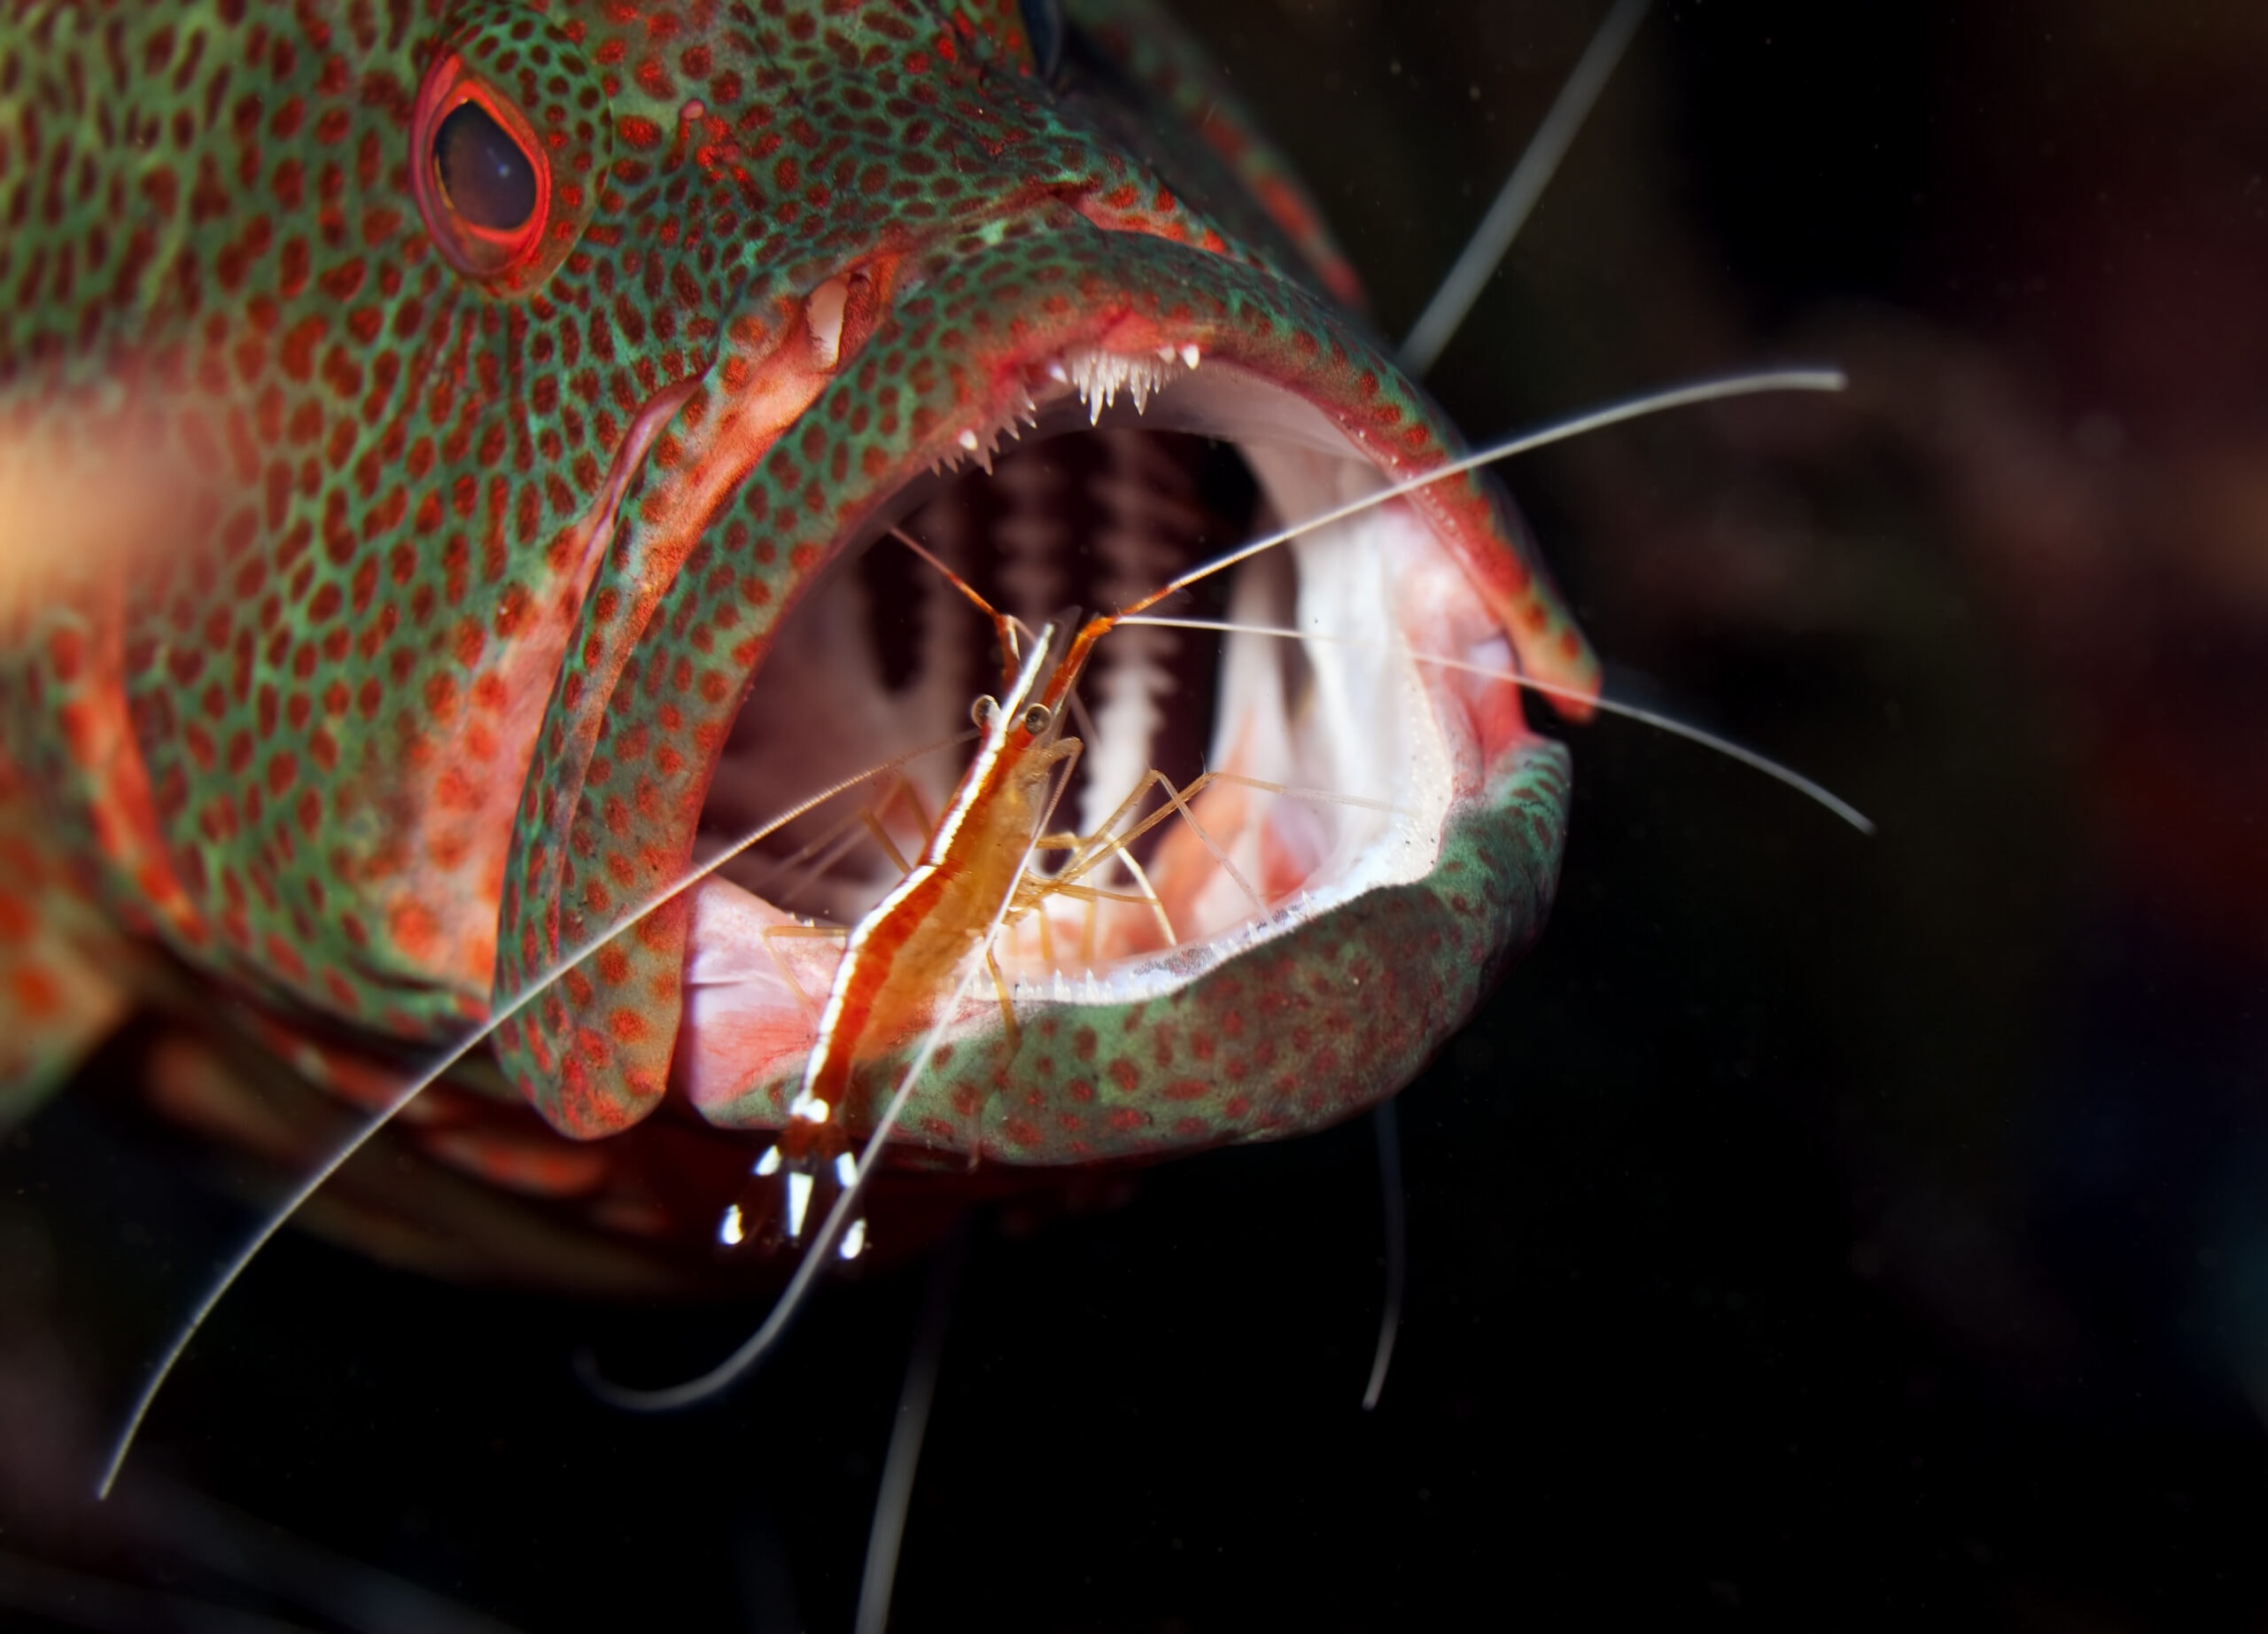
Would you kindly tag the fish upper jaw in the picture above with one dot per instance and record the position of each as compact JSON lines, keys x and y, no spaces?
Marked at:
{"x":781,"y":464}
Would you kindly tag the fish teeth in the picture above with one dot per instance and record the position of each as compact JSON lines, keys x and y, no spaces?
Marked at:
{"x":977,"y":446}
{"x":1099,"y":377}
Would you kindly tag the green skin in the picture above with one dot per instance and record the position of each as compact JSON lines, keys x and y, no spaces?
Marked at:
{"x":391,"y":712}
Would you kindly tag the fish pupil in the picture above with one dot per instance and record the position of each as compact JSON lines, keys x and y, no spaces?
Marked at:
{"x":487,"y":177}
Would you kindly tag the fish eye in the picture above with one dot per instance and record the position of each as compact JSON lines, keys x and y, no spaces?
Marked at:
{"x":509,"y":133}
{"x":1043,"y":28}
{"x":1035,"y":719}
{"x":982,"y":711}
{"x":484,"y":174}
{"x":481,"y":180}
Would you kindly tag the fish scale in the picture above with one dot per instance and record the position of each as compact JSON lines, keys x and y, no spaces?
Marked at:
{"x":465,"y":572}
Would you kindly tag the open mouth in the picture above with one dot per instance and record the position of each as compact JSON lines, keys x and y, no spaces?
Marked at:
{"x":1233,"y":786}
{"x":1374,"y":833}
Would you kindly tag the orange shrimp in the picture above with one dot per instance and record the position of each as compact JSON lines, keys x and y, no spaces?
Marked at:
{"x":971,"y":875}
{"x":911,"y":946}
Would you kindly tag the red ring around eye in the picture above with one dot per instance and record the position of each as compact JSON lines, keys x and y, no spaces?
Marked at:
{"x":487,"y":255}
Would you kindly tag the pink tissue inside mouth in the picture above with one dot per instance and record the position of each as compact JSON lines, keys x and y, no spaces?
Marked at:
{"x":743,"y":1019}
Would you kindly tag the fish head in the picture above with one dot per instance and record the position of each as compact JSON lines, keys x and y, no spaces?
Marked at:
{"x":545,"y":377}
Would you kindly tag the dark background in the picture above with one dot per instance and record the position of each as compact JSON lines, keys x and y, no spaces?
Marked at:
{"x":1813,"y":1231}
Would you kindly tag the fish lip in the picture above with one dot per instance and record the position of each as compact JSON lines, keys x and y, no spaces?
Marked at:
{"x":1152,"y":306}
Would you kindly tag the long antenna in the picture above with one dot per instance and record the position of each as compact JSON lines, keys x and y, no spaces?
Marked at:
{"x":1421,"y":349}
{"x":1598,"y":419}
{"x":895,"y":1495}
{"x":1386,"y":1123}
{"x":1815,"y":793}
{"x":1430,"y":336}
{"x":432,"y":1075}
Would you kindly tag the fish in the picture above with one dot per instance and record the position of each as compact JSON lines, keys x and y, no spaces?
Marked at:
{"x":516,"y":384}
{"x":150,"y":893}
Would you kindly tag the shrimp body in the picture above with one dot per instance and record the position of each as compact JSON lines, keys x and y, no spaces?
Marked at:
{"x":911,"y":948}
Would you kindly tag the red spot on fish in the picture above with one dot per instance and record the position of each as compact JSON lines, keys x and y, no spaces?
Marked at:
{"x":414,"y":931}
{"x":35,"y":992}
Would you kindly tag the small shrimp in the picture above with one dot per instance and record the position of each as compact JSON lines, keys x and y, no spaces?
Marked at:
{"x":915,"y":940}
{"x":973,"y":877}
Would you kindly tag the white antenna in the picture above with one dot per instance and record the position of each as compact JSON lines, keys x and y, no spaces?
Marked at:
{"x":432,"y":1075}
{"x":1430,"y":336}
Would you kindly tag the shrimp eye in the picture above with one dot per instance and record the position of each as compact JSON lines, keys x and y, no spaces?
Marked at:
{"x":1043,"y":28}
{"x":982,"y":711}
{"x":486,"y":175}
{"x":1035,"y":719}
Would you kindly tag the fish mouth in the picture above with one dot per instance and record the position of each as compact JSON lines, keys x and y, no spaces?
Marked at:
{"x":1333,"y":762}
{"x":1255,"y":823}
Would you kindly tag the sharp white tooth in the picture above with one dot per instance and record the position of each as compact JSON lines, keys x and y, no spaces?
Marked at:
{"x":769,"y":1163}
{"x":729,"y":1229}
{"x":799,"y":1203}
{"x":1055,"y":371}
{"x":823,"y":316}
{"x":846,"y":1170}
{"x":854,"y":1240}
{"x":1191,"y":356}
{"x":1165,"y":354}
{"x":967,"y":439}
